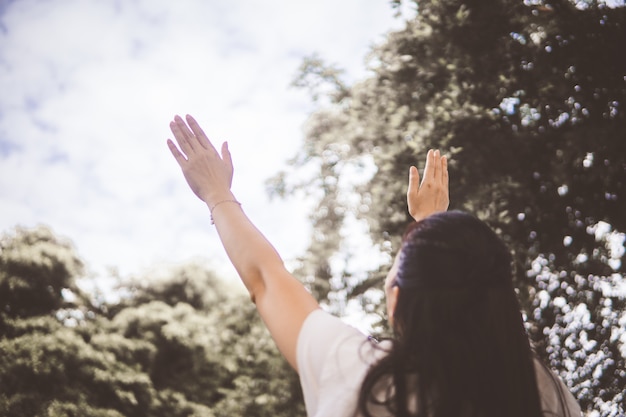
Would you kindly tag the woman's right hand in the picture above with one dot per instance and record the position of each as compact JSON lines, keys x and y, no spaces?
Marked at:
{"x":431,"y":196}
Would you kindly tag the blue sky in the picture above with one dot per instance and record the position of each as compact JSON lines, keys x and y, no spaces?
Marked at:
{"x":89,"y":87}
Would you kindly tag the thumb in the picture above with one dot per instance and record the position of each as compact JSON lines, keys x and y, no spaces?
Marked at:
{"x":414,"y":180}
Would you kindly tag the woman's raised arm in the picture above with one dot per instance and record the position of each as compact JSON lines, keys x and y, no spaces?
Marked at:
{"x":282,"y":300}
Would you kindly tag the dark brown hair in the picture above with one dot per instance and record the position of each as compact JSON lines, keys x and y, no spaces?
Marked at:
{"x":460,"y":347}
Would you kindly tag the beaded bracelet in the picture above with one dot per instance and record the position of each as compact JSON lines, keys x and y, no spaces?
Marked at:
{"x":220,"y":202}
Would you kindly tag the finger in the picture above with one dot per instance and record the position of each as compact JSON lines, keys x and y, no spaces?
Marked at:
{"x":444,"y":171}
{"x":198,"y":133}
{"x":180,"y":158}
{"x":228,"y":160}
{"x":428,"y":169}
{"x":438,"y":171}
{"x":181,"y":138}
{"x":414,"y":180}
{"x":188,"y":134}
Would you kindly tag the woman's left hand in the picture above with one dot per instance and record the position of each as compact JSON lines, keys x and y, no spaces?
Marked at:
{"x":208,"y":174}
{"x":283,"y":302}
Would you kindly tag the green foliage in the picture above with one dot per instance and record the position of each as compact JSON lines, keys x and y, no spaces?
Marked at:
{"x":35,"y":267}
{"x":223,"y":358}
{"x":47,"y":370}
{"x":526,"y":97}
{"x":263,"y":384}
{"x":186,"y":346}
{"x":320,"y":79}
{"x":191,"y":283}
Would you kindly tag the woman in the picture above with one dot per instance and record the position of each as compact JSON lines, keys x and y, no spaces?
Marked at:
{"x":460,"y":347}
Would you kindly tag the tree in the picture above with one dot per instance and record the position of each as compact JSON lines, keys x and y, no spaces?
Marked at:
{"x":211,"y":346}
{"x":186,"y":346}
{"x":49,"y":369}
{"x":36,"y":268}
{"x":222,"y":357}
{"x":527,"y":98}
{"x":190,"y":283}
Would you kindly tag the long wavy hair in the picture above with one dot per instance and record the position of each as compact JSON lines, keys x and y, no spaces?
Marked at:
{"x":460,"y":347}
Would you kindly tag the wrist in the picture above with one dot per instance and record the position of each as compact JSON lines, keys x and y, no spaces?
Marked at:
{"x":211,"y":199}
{"x":222,"y":202}
{"x":421,"y":215}
{"x":418,"y":217}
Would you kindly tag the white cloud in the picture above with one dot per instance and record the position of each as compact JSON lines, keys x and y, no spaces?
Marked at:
{"x":88,"y":90}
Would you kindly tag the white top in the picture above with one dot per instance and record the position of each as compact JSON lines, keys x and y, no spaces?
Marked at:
{"x":333,"y":359}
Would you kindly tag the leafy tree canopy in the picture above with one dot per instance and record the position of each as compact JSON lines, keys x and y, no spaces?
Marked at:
{"x":188,"y":345}
{"x":190,"y":283}
{"x":526,"y":97}
{"x":36,"y":268}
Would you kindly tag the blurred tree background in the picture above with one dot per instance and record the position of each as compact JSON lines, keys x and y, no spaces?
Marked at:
{"x":183,"y":345}
{"x":526,"y":97}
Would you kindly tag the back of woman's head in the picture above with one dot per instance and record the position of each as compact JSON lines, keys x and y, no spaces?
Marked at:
{"x":460,"y":347}
{"x":452,"y":250}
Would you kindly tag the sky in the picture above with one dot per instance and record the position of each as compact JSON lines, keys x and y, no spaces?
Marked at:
{"x":88,"y":88}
